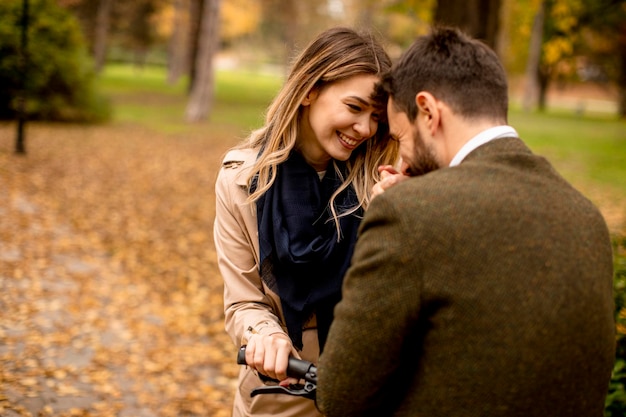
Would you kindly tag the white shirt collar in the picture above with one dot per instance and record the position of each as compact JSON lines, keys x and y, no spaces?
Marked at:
{"x":483,"y":137}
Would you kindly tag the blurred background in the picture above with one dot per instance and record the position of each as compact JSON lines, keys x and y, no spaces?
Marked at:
{"x":114,"y":116}
{"x":574,"y":49}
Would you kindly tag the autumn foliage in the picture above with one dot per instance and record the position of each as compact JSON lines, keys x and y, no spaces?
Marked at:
{"x":110,"y":296}
{"x":49,"y":66}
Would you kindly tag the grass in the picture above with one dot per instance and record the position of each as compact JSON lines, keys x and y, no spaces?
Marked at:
{"x":583,"y":148}
{"x":589,"y":150}
{"x":143,"y":96}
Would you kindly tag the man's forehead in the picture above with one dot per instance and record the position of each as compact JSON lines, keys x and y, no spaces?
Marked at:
{"x":397,"y":118}
{"x":393,"y":110}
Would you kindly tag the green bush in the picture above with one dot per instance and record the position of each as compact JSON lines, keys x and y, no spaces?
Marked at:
{"x":615,"y":405}
{"x":59,"y":76}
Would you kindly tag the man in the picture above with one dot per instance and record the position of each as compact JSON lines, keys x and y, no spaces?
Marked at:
{"x":482,"y":285}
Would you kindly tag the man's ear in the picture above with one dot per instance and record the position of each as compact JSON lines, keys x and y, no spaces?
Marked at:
{"x":428,"y":110}
{"x":310,"y":97}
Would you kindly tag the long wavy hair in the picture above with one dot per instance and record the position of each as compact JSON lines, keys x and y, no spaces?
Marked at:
{"x":335,"y":55}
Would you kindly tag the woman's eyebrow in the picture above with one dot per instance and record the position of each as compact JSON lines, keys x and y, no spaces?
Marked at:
{"x":361,"y":100}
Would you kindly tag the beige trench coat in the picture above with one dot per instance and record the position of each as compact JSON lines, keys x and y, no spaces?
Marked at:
{"x":248,"y":302}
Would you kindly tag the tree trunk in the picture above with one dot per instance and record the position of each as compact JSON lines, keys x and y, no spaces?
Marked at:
{"x":103,"y":18}
{"x":290,"y":11}
{"x":201,"y":98}
{"x":478,"y":18}
{"x":531,"y":92}
{"x":20,"y":140}
{"x":544,"y":82}
{"x":177,"y":62}
{"x":621,"y":81}
{"x":195,"y":16}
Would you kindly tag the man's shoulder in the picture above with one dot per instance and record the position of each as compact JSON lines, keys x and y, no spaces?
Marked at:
{"x":437,"y":183}
{"x":424,"y":194}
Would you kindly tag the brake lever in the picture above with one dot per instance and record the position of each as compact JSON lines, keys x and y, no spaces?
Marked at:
{"x":296,"y":368}
{"x":297,"y":390}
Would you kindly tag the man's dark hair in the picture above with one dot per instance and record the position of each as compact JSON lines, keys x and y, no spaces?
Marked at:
{"x":458,"y":70}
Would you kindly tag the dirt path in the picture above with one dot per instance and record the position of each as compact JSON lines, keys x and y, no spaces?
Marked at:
{"x":80,"y":339}
{"x":88,"y":330}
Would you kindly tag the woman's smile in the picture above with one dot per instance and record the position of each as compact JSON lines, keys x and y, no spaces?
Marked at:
{"x":348,"y":141}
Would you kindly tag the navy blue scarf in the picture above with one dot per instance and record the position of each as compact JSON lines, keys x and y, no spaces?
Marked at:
{"x":301,"y":259}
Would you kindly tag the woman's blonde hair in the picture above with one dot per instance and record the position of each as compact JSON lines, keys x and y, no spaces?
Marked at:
{"x":336,"y":54}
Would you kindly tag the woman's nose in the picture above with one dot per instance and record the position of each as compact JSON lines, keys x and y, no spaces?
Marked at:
{"x":366,"y":126}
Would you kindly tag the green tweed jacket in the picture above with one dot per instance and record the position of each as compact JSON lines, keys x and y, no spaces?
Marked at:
{"x":479,"y":290}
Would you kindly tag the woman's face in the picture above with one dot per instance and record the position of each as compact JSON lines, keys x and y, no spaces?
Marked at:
{"x":337,"y":119}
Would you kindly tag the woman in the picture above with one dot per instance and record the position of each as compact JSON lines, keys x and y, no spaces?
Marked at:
{"x":289,"y":202}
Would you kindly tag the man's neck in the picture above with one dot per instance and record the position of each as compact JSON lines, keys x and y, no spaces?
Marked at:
{"x":460,"y":131}
{"x":480,"y":139}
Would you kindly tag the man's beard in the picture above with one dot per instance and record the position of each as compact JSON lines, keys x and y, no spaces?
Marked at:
{"x":424,"y":159}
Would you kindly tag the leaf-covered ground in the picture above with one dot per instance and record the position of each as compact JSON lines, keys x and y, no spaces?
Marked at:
{"x":110,"y":298}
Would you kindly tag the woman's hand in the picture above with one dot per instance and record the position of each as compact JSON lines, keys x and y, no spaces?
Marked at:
{"x":389,"y":177}
{"x":269,"y":355}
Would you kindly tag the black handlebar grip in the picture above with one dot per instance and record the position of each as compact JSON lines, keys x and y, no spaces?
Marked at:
{"x":241,"y":356}
{"x":296,"y":368}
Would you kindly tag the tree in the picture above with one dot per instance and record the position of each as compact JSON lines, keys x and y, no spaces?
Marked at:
{"x":282,"y":22}
{"x":103,"y":18}
{"x":479,"y":18}
{"x":407,"y":19}
{"x":177,"y":51}
{"x":201,"y":97}
{"x":580,"y":40}
{"x":531,"y":93}
{"x":560,"y":37}
{"x":127,"y":25}
{"x":138,"y":32}
{"x":290,"y":24}
{"x":95,"y":19}
{"x":603,"y":27}
{"x":59,"y":82}
{"x":239,"y":18}
{"x":20,"y":142}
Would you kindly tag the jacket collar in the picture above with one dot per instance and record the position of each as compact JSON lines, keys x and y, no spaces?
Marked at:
{"x":241,"y":160}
